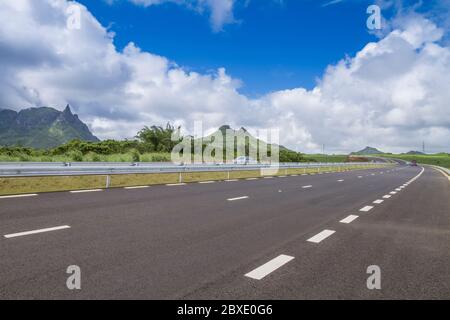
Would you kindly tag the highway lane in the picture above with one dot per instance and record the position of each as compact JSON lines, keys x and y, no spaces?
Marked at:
{"x":180,"y":241}
{"x":408,"y":238}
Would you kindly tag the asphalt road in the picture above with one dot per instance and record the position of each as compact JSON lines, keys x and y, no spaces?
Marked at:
{"x":277,"y":238}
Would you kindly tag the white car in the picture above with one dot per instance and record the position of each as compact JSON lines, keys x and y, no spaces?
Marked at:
{"x":245,"y":160}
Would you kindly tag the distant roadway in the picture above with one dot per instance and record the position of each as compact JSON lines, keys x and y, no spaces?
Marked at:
{"x":294,"y":237}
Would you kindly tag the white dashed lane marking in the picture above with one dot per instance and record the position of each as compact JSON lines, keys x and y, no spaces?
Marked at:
{"x":136,"y":187}
{"x":366,"y":209}
{"x":238,"y":198}
{"x":307,"y":187}
{"x":378,"y":201}
{"x":85,"y":191}
{"x":349,"y":219}
{"x":269,"y":267}
{"x":26,"y":233}
{"x":19,"y":196}
{"x":387,"y":196}
{"x":321,"y":236}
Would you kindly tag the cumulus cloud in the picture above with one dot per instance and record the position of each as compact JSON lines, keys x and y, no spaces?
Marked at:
{"x":392,"y":94}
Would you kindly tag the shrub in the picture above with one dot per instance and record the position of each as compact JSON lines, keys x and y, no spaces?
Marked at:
{"x":161,"y":158}
{"x":135,"y":156}
{"x":76,"y":155}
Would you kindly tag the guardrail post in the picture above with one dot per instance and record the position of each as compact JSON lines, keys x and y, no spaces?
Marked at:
{"x":180,"y":177}
{"x":108,"y":181}
{"x":228,"y":175}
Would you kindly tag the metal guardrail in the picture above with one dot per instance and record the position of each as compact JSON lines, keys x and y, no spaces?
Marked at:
{"x":24,"y":169}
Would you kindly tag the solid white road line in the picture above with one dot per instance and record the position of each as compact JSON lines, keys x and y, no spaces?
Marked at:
{"x":306,"y":187}
{"x":387,"y":196}
{"x":239,"y":198}
{"x":206,"y":182}
{"x":175,"y":184}
{"x":136,"y":187}
{"x":269,"y":267}
{"x":84,"y":191}
{"x":366,"y":209}
{"x":378,"y":201}
{"x":19,"y":196}
{"x":26,"y":233}
{"x":321,"y":236}
{"x":349,"y":219}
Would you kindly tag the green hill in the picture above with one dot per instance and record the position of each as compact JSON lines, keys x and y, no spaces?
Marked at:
{"x":368,"y":151}
{"x":41,"y":128}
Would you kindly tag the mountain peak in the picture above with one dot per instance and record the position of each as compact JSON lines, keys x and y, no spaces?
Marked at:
{"x":67,"y":110}
{"x":224,"y":128}
{"x":42,"y":127}
{"x":368,"y":150}
{"x":413,"y":152}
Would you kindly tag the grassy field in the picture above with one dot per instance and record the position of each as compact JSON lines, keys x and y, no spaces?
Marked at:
{"x":22,"y":185}
{"x":326,"y":158}
{"x":441,"y":159}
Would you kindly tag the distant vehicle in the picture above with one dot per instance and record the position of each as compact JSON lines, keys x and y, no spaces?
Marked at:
{"x":413,"y":163}
{"x":245,"y":160}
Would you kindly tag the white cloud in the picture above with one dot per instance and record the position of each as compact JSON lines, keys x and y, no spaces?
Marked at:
{"x":393,"y":94}
{"x":221,"y":11}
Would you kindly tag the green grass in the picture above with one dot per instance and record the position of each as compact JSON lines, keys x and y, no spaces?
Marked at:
{"x":441,"y":159}
{"x":326,"y":158}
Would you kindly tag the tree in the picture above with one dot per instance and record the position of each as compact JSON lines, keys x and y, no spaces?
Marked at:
{"x":157,"y":138}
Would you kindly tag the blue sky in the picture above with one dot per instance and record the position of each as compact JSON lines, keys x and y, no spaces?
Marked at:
{"x":272,"y":45}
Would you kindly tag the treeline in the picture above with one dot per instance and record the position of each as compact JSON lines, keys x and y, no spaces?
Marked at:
{"x":150,"y":144}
